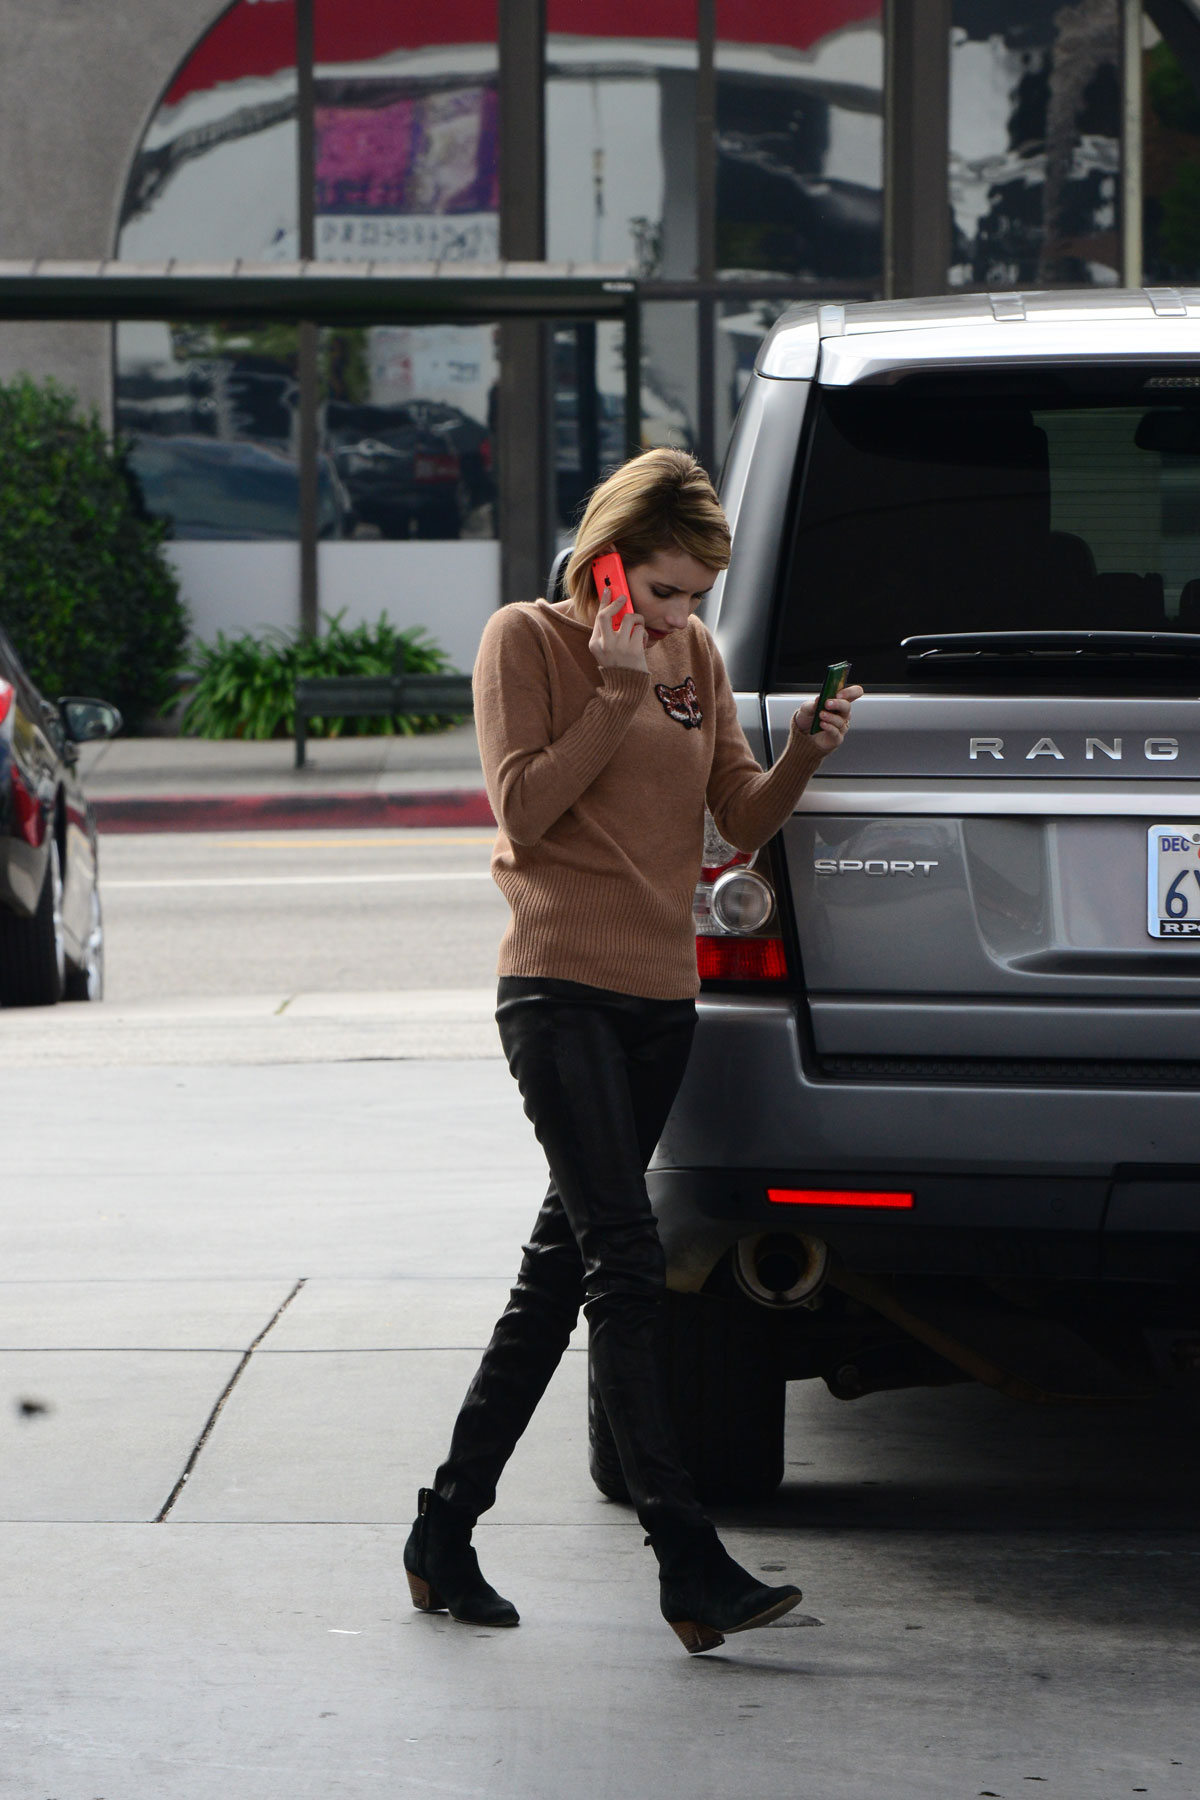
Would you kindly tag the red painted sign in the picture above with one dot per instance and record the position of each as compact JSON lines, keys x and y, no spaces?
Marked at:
{"x":258,"y":37}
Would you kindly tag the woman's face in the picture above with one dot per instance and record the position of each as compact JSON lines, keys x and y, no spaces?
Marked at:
{"x":667,"y":590}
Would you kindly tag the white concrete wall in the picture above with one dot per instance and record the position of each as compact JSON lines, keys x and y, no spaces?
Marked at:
{"x":449,"y":588}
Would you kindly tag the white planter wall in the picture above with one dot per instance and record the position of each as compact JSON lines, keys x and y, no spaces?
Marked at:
{"x":449,"y":588}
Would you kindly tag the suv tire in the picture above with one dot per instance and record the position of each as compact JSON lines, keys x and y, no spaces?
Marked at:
{"x":725,"y":1395}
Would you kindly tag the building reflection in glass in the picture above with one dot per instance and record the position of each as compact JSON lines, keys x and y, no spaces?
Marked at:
{"x":405,"y":135}
{"x":407,"y":171}
{"x":800,"y":140}
{"x":1035,"y":120}
{"x":621,"y":188}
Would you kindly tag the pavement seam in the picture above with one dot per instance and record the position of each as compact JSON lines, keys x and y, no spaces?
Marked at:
{"x":210,"y":1423}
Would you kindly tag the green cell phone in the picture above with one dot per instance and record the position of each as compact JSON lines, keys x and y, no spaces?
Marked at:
{"x":835,"y":680}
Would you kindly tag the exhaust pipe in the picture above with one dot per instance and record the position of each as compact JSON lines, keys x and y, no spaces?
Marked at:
{"x":781,"y":1269}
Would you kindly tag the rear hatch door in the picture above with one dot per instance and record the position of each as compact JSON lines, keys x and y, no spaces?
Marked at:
{"x":1002,"y":864}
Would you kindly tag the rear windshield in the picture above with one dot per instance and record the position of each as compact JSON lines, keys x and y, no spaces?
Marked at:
{"x":1017,"y":504}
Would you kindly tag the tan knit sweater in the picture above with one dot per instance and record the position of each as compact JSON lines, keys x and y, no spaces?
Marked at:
{"x":599,"y":779}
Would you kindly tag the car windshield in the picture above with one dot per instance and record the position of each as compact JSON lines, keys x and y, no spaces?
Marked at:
{"x":1016,"y":504}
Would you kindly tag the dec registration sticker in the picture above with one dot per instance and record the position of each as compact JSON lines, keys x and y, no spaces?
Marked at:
{"x":1173,"y":881}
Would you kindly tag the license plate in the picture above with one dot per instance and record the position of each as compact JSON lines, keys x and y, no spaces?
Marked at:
{"x":1173,"y":881}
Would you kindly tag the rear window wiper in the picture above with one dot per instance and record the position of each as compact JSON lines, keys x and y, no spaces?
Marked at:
{"x":1027,"y":646}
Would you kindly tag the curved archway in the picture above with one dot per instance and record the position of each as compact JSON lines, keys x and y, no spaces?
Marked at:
{"x":215,"y":174}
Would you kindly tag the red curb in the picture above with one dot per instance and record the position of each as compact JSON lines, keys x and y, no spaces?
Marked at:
{"x":292,"y":812}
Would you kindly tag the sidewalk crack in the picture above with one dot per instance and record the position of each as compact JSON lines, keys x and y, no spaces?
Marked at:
{"x":210,"y":1423}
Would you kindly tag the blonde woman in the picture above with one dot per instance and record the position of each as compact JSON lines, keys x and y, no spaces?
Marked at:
{"x":602,"y":743}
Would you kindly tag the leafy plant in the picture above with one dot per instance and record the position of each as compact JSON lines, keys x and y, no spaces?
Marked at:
{"x":86,"y":594}
{"x":245,"y":686}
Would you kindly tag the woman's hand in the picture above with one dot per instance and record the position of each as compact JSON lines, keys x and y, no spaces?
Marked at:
{"x":835,"y":718}
{"x":624,"y":648}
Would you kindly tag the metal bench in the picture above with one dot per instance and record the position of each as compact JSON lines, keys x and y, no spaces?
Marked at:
{"x":377,"y":696}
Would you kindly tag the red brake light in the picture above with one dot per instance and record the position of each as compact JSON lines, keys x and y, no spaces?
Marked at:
{"x":741,"y":959}
{"x":6,"y":699}
{"x":839,"y":1197}
{"x":431,"y":466}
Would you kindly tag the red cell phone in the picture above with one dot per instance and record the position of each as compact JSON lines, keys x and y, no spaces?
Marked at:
{"x":610,"y":568}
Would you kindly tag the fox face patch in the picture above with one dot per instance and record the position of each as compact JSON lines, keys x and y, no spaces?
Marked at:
{"x":681,"y":703}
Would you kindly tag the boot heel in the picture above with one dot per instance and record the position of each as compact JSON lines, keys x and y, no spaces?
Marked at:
{"x":695,"y":1637}
{"x":424,"y":1598}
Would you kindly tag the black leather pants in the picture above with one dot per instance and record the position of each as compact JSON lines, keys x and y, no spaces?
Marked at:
{"x":598,"y":1072}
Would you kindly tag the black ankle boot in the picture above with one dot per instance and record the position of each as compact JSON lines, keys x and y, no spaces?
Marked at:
{"x":443,"y":1570}
{"x":704,"y":1594}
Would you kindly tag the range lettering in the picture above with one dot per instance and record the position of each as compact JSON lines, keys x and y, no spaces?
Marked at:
{"x":1095,"y":749}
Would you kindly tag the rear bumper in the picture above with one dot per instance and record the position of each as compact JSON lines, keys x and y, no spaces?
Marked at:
{"x":1078,"y":1182}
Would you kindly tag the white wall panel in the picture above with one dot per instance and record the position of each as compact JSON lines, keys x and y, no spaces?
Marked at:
{"x":449,"y":588}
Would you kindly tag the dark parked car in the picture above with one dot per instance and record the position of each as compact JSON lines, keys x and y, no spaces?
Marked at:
{"x":470,"y":441}
{"x":51,"y":932}
{"x":226,"y":488}
{"x":401,"y":476}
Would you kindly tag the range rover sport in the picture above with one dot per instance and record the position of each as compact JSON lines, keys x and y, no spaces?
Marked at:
{"x":942,"y":1118}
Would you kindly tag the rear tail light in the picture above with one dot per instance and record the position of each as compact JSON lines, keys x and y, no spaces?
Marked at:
{"x":736,"y":916}
{"x":740,"y":959}
{"x":6,"y":699}
{"x":899,"y":1202}
{"x":430,"y":466}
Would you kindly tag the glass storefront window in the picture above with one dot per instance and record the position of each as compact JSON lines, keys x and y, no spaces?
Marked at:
{"x":800,"y":140}
{"x":621,"y":188}
{"x":1035,"y":143}
{"x":589,"y":415}
{"x":405,"y":132}
{"x":621,"y":134}
{"x":407,"y":166}
{"x":407,"y":170}
{"x":670,"y":377}
{"x":211,"y":414}
{"x":407,"y":423}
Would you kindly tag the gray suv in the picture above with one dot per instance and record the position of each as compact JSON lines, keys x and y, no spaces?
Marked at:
{"x":942,"y":1119}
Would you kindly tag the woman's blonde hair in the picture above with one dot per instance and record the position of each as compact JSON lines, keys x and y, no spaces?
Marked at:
{"x":662,"y":500}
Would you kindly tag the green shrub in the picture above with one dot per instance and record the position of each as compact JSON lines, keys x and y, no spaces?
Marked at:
{"x":86,"y":594}
{"x":245,"y":686}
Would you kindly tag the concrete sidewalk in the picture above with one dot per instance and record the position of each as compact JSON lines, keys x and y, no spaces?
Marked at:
{"x":238,"y":1311}
{"x":196,"y":784}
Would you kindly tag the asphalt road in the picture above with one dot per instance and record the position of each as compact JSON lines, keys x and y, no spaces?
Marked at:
{"x":206,"y":915}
